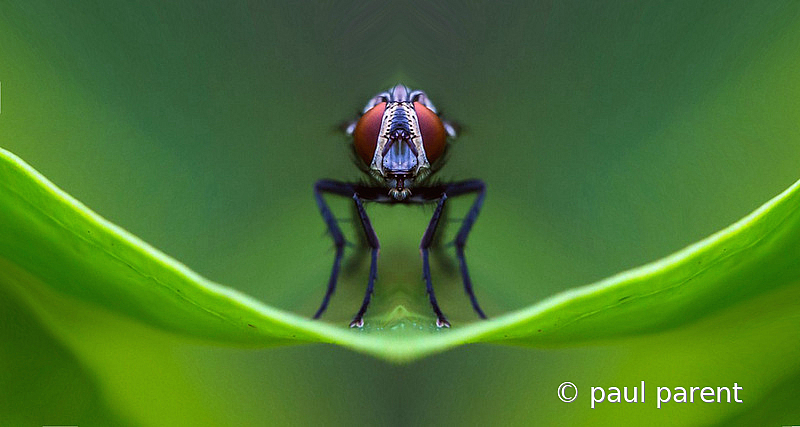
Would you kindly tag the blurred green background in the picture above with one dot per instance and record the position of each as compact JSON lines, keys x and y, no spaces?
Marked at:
{"x":609,"y":135}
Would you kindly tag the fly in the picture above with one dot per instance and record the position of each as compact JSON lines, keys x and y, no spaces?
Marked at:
{"x":399,"y":141}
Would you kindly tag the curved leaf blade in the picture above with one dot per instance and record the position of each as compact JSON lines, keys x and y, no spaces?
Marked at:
{"x":67,"y":248}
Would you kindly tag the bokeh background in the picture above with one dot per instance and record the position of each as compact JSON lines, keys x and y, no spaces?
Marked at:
{"x":609,"y":134}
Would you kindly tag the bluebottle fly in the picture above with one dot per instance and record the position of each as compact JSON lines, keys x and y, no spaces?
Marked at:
{"x":399,"y":140}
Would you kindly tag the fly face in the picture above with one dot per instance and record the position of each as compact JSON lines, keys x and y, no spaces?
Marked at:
{"x":399,"y":138}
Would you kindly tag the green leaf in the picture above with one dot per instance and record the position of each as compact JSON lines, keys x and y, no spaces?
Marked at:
{"x":55,"y":252}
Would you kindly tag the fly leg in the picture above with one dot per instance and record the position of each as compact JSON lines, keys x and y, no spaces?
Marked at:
{"x":372,"y":241}
{"x":347,"y":190}
{"x":424,"y":247}
{"x":457,"y":189}
{"x":452,"y":190}
{"x":339,"y":189}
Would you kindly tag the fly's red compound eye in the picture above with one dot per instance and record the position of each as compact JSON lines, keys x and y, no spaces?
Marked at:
{"x":434,"y":137}
{"x":365,"y":135}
